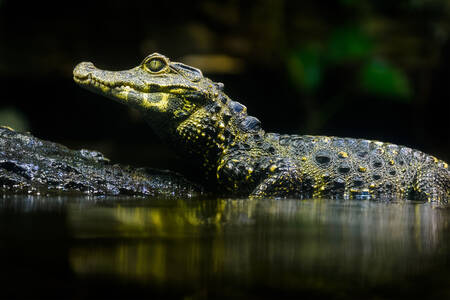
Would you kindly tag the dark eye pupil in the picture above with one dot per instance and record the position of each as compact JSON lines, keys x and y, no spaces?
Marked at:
{"x":155,"y":65}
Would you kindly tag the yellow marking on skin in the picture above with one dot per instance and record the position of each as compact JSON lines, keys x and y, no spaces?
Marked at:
{"x":391,"y":162}
{"x":178,"y":91}
{"x":378,"y":143}
{"x":123,"y":94}
{"x":372,"y":186}
{"x":273,"y":168}
{"x":435,"y":159}
{"x":104,"y":88}
{"x":303,"y":158}
{"x":221,"y":125}
{"x":362,"y":169}
{"x":160,"y":105}
{"x":250,"y":171}
{"x":188,"y":106}
{"x":343,"y":154}
{"x":445,"y":165}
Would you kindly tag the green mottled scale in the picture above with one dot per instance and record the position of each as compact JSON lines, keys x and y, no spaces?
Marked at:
{"x":193,"y":114}
{"x":355,"y":166}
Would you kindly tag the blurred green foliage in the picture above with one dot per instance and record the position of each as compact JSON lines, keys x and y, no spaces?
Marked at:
{"x":348,"y":44}
{"x":305,"y":68}
{"x":365,"y":51}
{"x":380,"y":78}
{"x":351,"y":47}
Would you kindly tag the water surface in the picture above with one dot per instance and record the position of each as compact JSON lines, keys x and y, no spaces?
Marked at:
{"x":81,"y":247}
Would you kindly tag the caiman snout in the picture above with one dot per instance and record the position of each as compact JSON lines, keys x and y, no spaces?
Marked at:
{"x":83,"y":70}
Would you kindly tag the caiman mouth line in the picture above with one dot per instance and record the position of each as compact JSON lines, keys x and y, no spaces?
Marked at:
{"x":89,"y":80}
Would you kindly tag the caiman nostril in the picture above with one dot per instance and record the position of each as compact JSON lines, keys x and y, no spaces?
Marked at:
{"x":83,"y":70}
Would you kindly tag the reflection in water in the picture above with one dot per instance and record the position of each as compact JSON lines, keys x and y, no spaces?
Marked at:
{"x":286,"y":245}
{"x":264,"y":239}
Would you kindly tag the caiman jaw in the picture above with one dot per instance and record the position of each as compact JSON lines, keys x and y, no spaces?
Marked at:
{"x":123,"y":87}
{"x":105,"y":83}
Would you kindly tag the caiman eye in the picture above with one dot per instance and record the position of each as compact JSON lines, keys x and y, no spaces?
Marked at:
{"x":155,"y":65}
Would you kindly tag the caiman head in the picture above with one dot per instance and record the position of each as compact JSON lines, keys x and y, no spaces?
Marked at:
{"x":166,"y":92}
{"x":183,"y":107}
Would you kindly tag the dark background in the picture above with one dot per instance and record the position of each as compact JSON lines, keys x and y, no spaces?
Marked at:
{"x":372,"y":69}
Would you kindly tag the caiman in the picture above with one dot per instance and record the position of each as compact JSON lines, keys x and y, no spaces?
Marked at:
{"x":194,"y":115}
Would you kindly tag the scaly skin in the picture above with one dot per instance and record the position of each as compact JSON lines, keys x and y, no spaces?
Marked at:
{"x":192,"y":113}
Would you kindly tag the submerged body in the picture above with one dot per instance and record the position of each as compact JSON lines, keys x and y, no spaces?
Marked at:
{"x":192,"y":113}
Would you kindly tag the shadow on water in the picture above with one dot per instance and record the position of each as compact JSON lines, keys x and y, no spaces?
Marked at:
{"x":220,"y":248}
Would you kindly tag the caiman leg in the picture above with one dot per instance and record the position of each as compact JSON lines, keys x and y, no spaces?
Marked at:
{"x":282,"y":179}
{"x":264,"y":177}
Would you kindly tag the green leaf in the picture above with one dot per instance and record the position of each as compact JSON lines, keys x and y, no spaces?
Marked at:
{"x":305,"y":68}
{"x":349,"y":44}
{"x":380,"y":78}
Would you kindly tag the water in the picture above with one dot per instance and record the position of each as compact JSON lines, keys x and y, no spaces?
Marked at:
{"x":131,"y":248}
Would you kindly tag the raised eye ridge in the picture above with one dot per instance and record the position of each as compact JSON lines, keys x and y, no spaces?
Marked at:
{"x":155,"y":64}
